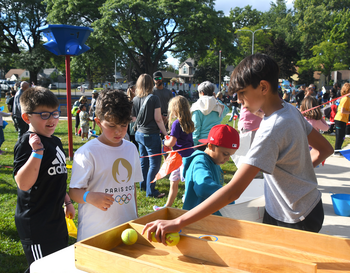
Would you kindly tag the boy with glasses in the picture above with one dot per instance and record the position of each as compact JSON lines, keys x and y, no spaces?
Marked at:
{"x":41,"y":176}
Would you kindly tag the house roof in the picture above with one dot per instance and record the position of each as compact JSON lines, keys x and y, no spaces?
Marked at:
{"x":14,"y":71}
{"x":189,"y":62}
{"x":168,"y":74}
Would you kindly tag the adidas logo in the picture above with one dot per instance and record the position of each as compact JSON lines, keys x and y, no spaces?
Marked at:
{"x":211,"y":138}
{"x":60,"y":162}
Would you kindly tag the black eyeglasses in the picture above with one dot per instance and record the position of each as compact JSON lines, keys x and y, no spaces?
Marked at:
{"x":158,"y":78}
{"x":47,"y":115}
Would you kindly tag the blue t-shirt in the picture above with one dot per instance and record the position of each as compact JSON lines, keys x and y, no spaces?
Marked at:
{"x":183,"y":140}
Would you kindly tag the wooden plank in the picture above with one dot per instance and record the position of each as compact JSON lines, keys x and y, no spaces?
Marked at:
{"x":91,"y":259}
{"x":271,"y":235}
{"x":171,"y":260}
{"x":324,"y":263}
{"x":230,"y":255}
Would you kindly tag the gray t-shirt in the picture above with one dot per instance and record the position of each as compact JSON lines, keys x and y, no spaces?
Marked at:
{"x":164,"y":95}
{"x":147,"y":123}
{"x":280,"y":149}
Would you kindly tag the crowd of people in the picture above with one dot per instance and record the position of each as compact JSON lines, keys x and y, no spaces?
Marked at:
{"x":106,"y":169}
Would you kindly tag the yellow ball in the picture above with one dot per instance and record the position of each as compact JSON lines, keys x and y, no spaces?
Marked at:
{"x":172,"y":239}
{"x":129,"y":236}
{"x":154,"y":237}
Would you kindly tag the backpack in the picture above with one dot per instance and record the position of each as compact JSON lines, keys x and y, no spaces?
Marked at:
{"x":74,"y":110}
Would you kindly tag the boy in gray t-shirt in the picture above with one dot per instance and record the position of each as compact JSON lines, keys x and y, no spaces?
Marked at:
{"x":280,"y":149}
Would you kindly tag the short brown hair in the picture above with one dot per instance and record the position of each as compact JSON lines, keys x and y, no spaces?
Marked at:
{"x":113,"y":106}
{"x":37,"y":96}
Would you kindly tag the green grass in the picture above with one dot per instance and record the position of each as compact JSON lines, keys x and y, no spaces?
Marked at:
{"x":12,"y":258}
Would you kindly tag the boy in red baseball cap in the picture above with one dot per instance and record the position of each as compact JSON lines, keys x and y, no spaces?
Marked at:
{"x":202,"y":171}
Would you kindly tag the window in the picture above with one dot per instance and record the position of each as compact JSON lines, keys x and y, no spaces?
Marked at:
{"x":184,"y":70}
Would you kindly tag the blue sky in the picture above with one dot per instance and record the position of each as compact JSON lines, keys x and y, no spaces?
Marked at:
{"x":227,"y":5}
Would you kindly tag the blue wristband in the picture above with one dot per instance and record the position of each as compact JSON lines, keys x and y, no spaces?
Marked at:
{"x":84,"y":197}
{"x":37,"y":155}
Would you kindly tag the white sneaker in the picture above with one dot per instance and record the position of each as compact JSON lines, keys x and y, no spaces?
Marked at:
{"x":347,"y":136}
{"x":332,"y":134}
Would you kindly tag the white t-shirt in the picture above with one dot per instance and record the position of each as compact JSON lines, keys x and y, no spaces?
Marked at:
{"x":280,"y":149}
{"x":102,"y":168}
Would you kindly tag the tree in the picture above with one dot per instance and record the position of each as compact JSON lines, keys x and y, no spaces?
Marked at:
{"x":284,"y":55}
{"x":19,"y":29}
{"x":327,"y":57}
{"x":150,"y":29}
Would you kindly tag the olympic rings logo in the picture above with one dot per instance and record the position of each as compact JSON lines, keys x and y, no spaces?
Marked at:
{"x":124,"y":199}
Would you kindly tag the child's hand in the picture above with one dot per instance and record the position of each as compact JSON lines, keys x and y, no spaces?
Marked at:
{"x":35,"y":142}
{"x":69,"y":211}
{"x":100,"y":200}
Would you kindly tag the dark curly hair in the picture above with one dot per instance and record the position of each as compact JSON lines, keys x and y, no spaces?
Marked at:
{"x":113,"y":106}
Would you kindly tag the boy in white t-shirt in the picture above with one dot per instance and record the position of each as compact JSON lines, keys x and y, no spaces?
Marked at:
{"x":280,"y":149}
{"x":106,"y":169}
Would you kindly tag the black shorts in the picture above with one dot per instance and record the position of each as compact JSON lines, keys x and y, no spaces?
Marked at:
{"x":35,"y":252}
{"x":313,"y":222}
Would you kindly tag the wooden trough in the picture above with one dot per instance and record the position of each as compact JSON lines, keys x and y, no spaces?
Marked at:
{"x":226,"y":245}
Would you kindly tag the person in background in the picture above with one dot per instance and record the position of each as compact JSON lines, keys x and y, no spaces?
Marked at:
{"x":180,"y":138}
{"x":342,"y":118}
{"x":314,"y":116}
{"x":2,"y":137}
{"x":93,"y":108}
{"x":147,"y":115}
{"x":207,"y":112}
{"x":10,"y":106}
{"x":235,"y":107}
{"x":82,"y":100}
{"x":41,"y":176}
{"x":84,"y":121}
{"x":164,"y":95}
{"x":17,"y":113}
{"x":131,"y":93}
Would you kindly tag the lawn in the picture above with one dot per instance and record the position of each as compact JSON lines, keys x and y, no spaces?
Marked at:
{"x":12,"y":258}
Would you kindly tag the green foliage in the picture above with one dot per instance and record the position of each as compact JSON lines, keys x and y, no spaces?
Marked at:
{"x":147,"y":30}
{"x":327,"y":57}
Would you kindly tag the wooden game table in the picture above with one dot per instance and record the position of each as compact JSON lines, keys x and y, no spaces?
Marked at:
{"x":214,"y":244}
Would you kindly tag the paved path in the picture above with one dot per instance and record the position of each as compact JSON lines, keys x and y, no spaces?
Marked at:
{"x":334,"y":177}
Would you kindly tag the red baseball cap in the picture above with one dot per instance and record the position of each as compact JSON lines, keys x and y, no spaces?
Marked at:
{"x":223,"y":136}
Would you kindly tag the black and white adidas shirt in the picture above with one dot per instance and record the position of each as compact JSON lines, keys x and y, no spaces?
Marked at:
{"x":39,"y":213}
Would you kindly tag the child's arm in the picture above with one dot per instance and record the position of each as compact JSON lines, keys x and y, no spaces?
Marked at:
{"x":159,"y":120}
{"x":227,"y":194}
{"x":321,"y":148}
{"x":68,"y":207}
{"x":170,"y":142}
{"x":100,"y":200}
{"x":28,"y":173}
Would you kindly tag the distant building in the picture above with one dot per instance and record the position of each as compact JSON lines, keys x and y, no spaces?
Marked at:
{"x":17,"y":74}
{"x":186,"y":70}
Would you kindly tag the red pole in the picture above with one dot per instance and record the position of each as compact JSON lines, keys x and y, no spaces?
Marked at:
{"x":69,"y":113}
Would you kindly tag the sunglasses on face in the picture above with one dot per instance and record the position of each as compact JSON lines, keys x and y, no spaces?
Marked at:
{"x":158,"y":78}
{"x":47,"y":115}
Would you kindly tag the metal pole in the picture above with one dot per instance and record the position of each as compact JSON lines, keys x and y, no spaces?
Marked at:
{"x":69,"y":113}
{"x":253,"y":43}
{"x":220,"y":71}
{"x":115,"y":68}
